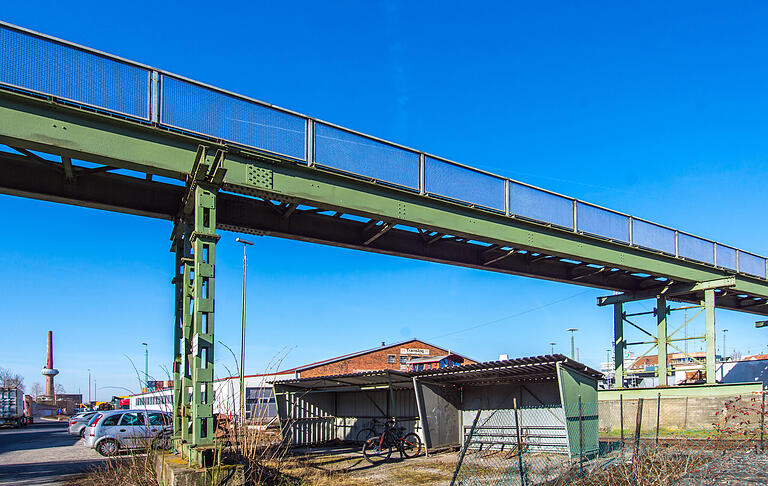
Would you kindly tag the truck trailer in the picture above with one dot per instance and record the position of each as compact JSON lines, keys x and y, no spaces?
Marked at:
{"x":12,"y":407}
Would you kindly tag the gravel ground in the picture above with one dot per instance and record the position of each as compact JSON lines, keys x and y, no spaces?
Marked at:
{"x":42,"y":454}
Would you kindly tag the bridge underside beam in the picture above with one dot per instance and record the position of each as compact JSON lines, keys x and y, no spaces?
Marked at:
{"x":516,"y":244}
{"x":289,"y":219}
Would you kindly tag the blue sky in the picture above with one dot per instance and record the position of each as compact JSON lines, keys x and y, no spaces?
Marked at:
{"x":654,"y":109}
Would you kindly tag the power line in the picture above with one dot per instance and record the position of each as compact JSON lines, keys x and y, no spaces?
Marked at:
{"x":527,"y":311}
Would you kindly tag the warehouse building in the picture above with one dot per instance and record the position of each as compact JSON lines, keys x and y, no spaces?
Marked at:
{"x":397,"y":357}
{"x":260,"y":400}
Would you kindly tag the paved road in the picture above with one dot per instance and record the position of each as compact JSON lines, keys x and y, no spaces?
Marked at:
{"x":42,"y":454}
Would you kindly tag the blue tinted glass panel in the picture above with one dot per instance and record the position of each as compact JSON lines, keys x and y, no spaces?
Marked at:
{"x":456,"y":182}
{"x":352,"y":153}
{"x":539,"y":205}
{"x":726,"y":257}
{"x":751,"y":264}
{"x":46,"y":67}
{"x":695,"y":248}
{"x":653,"y":236}
{"x":604,"y":223}
{"x":207,"y":112}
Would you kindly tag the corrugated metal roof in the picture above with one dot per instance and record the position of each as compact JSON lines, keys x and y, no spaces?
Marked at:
{"x":527,"y":369}
{"x":533,"y":368}
{"x":398,"y":379}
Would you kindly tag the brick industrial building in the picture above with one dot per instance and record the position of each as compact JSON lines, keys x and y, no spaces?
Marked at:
{"x":385,"y":357}
{"x":260,"y":400}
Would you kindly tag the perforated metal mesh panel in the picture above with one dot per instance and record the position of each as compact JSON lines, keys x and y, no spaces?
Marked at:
{"x":695,"y":248}
{"x":352,"y":153}
{"x":653,"y":236}
{"x":726,"y":257}
{"x":463,"y":184}
{"x":542,"y":206}
{"x":46,"y":67}
{"x":751,"y":264}
{"x":604,"y":223}
{"x":201,"y":110}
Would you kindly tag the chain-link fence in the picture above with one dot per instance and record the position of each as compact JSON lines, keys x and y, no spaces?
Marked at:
{"x":634,"y":442}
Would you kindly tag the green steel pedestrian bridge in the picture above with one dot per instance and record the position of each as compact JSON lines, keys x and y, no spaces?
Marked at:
{"x":83,"y":127}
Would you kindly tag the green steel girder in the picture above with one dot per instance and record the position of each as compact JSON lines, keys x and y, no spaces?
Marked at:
{"x":251,"y":215}
{"x":40,"y":125}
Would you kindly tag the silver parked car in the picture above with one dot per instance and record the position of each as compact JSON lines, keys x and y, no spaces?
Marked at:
{"x":78,"y":422}
{"x":110,"y":431}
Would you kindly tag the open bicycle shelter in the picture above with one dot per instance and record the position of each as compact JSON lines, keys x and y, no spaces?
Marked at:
{"x":551,"y":401}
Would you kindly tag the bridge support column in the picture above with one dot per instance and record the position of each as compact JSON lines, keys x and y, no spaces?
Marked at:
{"x":619,"y":344}
{"x":194,"y":240}
{"x":709,"y":335}
{"x":661,"y":338}
{"x":203,"y":240}
{"x":182,"y":379}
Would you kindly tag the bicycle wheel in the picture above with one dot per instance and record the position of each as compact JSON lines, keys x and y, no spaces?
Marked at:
{"x":376,"y":451}
{"x":411,"y":445}
{"x":364,"y":434}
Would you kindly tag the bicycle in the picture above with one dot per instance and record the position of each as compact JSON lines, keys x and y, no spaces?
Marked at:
{"x":370,"y":430}
{"x":378,"y":449}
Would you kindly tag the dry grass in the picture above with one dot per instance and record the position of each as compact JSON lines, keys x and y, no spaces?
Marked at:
{"x":130,"y":471}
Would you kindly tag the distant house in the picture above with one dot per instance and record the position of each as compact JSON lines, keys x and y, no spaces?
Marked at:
{"x":435,"y":362}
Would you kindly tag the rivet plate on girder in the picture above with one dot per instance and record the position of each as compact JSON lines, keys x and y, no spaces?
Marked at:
{"x":259,"y":177}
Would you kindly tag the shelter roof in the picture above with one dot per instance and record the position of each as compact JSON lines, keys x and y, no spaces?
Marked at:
{"x":528,"y":369}
{"x":352,"y":381}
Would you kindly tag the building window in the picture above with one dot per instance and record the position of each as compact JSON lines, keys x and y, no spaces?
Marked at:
{"x":391,"y":359}
{"x":403,"y":359}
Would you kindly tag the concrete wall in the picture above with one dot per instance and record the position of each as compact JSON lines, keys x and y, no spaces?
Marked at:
{"x":676,"y":414}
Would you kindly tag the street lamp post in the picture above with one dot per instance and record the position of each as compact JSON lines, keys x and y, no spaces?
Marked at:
{"x":89,"y":387}
{"x":572,"y":330}
{"x":246,"y":244}
{"x":146,"y":366}
{"x":552,"y":344}
{"x":725,"y":356}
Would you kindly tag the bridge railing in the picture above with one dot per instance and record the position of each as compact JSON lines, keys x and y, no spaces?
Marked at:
{"x":44,"y":66}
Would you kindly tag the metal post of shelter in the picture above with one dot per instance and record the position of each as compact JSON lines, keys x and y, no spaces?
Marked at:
{"x":709,"y":335}
{"x":661,"y":338}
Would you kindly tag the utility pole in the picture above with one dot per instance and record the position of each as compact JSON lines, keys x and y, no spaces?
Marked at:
{"x":725,"y":356}
{"x":146,"y":366}
{"x":246,"y":244}
{"x":89,"y":387}
{"x":572,"y":330}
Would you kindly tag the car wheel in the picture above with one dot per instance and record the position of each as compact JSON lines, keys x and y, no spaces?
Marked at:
{"x":82,"y":433}
{"x":107,"y":447}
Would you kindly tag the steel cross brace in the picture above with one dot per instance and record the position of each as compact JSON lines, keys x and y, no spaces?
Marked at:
{"x":662,"y":339}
